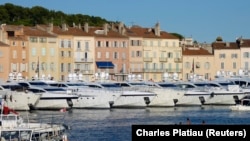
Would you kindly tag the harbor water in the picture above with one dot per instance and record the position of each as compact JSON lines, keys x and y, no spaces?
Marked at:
{"x":115,"y":124}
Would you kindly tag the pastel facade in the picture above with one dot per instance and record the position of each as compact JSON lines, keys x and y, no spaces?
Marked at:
{"x":114,"y":52}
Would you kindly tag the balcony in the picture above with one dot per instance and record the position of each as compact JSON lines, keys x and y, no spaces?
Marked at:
{"x":174,"y":70}
{"x":147,"y":59}
{"x":84,"y":72}
{"x":154,"y":70}
{"x":86,"y":60}
{"x":177,"y":60}
{"x":163,"y":59}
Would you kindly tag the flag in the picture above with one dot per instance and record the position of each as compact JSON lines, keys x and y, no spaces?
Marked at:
{"x":63,"y":110}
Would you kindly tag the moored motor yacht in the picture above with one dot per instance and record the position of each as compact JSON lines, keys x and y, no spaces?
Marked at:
{"x":16,"y":97}
{"x":221,"y":95}
{"x":53,"y":98}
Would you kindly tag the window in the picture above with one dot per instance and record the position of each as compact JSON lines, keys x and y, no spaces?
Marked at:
{"x":98,"y":55}
{"x":43,"y":51}
{"x":222,"y":55}
{"x":52,"y":66}
{"x":234,"y":65}
{"x":42,"y":40}
{"x":52,"y":51}
{"x":138,"y":53}
{"x":159,"y":43}
{"x":170,"y":55}
{"x":62,"y":54}
{"x":69,"y":67}
{"x":222,"y":65}
{"x":69,"y":53}
{"x":62,"y":67}
{"x":99,"y":44}
{"x":107,"y":55}
{"x":43,"y":66}
{"x":33,"y":39}
{"x":107,"y":44}
{"x":23,"y":54}
{"x":234,"y":55}
{"x":69,"y":44}
{"x":62,"y":43}
{"x":246,"y":55}
{"x":187,"y":65}
{"x":132,"y":54}
{"x":33,"y":51}
{"x":13,"y":43}
{"x":78,"y":45}
{"x":115,"y":44}
{"x":115,"y":55}
{"x":197,"y":65}
{"x":86,"y":46}
{"x":166,"y":44}
{"x":14,"y":54}
{"x":33,"y":66}
{"x":207,"y":65}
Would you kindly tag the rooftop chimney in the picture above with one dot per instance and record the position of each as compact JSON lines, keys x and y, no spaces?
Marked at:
{"x":86,"y":27}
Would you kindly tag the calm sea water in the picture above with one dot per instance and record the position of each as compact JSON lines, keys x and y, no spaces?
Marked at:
{"x":115,"y":124}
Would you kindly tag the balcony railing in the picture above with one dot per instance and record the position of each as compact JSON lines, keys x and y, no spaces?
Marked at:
{"x":163,"y":59}
{"x":84,"y":60}
{"x":177,"y":60}
{"x":147,"y":59}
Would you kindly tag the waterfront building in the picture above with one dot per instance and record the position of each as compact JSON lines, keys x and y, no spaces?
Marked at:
{"x":115,"y":52}
{"x":111,"y":51}
{"x":5,"y":61}
{"x":161,"y":53}
{"x":197,"y":63}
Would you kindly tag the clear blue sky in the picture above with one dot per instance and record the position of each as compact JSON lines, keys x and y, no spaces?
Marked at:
{"x":204,"y":20}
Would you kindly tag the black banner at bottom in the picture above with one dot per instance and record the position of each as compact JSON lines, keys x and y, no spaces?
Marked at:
{"x":191,"y":132}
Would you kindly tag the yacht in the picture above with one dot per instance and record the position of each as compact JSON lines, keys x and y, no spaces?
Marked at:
{"x":91,"y":95}
{"x":193,"y":95}
{"x":53,"y":98}
{"x":167,"y":93}
{"x":221,"y":94}
{"x":124,"y":98}
{"x":15,"y":97}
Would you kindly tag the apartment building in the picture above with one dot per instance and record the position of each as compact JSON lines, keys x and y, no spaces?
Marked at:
{"x":161,"y":53}
{"x":5,"y":61}
{"x":115,"y":52}
{"x":111,"y":52}
{"x":198,"y":63}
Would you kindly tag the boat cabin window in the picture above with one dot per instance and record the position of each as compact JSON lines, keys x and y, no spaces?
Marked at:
{"x":168,"y":85}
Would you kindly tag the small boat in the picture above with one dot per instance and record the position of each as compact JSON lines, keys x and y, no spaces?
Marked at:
{"x":13,"y":127}
{"x":244,"y":105}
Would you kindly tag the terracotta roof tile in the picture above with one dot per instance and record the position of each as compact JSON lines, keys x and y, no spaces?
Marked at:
{"x":224,"y":45}
{"x":34,"y":31}
{"x":195,"y":51}
{"x":246,"y":43}
{"x":149,"y":33}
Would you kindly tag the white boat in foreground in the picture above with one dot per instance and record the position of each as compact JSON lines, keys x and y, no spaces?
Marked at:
{"x":244,"y":105}
{"x":13,"y":128}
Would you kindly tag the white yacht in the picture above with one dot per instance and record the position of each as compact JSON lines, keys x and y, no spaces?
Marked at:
{"x":221,"y":95}
{"x":53,"y":98}
{"x":193,"y":96}
{"x":91,"y":95}
{"x":129,"y":97}
{"x":17,"y":98}
{"x":167,"y":93}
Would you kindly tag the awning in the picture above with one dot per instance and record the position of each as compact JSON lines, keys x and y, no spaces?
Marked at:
{"x":104,"y":64}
